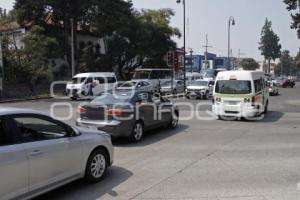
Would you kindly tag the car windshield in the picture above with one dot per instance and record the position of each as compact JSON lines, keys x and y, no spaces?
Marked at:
{"x":200,"y":83}
{"x":128,"y":84}
{"x":111,"y":99}
{"x":233,"y":87}
{"x":168,"y":83}
{"x":78,"y":80}
{"x":141,"y":75}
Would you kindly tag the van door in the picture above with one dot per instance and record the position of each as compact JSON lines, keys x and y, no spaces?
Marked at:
{"x":14,"y":165}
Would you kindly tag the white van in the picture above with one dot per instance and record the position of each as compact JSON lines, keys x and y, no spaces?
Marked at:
{"x":240,"y":94}
{"x":81,"y":83}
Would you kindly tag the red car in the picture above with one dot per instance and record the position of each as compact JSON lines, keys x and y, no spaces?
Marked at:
{"x":288,"y":83}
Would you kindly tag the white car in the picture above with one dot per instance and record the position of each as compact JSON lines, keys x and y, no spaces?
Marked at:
{"x":176,"y":88}
{"x":136,"y":85}
{"x":39,"y":154}
{"x":200,"y":89}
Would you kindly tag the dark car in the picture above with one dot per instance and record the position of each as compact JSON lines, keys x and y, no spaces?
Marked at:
{"x":128,"y":113}
{"x":288,"y":83}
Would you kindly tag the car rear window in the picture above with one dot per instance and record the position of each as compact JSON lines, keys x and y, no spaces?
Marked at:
{"x":111,"y":99}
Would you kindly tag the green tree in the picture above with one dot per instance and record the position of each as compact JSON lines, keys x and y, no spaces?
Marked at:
{"x":297,"y":61}
{"x":294,"y":5}
{"x":101,"y":18}
{"x":269,"y":44}
{"x":147,"y":45}
{"x":286,"y":66}
{"x":249,"y":64}
{"x":38,"y":48}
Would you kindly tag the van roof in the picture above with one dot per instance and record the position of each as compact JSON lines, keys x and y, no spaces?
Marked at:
{"x":93,"y":74}
{"x":240,"y":75}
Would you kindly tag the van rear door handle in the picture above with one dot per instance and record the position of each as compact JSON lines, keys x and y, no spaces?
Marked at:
{"x":35,"y":153}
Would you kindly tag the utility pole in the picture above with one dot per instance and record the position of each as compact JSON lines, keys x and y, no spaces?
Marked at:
{"x":184,"y":41}
{"x":206,"y":52}
{"x":1,"y":71}
{"x":231,"y":22}
{"x":72,"y":48}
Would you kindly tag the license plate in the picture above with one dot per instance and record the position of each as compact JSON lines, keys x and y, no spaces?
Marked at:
{"x":233,"y":103}
{"x":92,"y":127}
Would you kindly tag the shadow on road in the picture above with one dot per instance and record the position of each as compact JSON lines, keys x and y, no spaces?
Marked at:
{"x":82,"y":190}
{"x":272,"y":116}
{"x":151,"y":137}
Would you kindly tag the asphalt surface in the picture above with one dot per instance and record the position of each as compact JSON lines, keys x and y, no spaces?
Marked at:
{"x":201,"y":159}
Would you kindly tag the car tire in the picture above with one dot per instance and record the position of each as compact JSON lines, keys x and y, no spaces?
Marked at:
{"x":137,"y":132}
{"x":174,"y":120}
{"x":97,"y":165}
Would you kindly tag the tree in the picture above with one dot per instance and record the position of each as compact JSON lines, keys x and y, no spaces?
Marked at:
{"x":38,"y":48}
{"x":294,"y":5}
{"x":101,"y":18}
{"x":147,"y":45}
{"x":249,"y":64}
{"x":284,"y":66}
{"x":297,"y":60}
{"x":269,"y":44}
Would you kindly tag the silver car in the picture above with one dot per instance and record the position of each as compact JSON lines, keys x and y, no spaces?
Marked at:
{"x":39,"y":153}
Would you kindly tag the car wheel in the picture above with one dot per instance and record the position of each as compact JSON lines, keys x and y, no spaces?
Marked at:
{"x":74,"y":97}
{"x":137,"y":132}
{"x":96,"y":166}
{"x":174,"y":120}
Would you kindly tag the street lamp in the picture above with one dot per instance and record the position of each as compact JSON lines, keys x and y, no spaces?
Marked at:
{"x":231,"y":22}
{"x":184,"y":56}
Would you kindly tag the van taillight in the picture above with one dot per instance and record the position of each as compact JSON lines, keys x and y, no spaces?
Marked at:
{"x":253,"y":101}
{"x":81,"y":109}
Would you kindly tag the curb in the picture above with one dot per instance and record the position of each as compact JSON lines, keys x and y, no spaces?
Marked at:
{"x":21,"y":100}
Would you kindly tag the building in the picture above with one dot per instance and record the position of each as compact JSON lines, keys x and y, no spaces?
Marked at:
{"x":16,"y":32}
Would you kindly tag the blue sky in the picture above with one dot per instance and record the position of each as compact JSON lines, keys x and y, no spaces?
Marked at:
{"x":211,"y":17}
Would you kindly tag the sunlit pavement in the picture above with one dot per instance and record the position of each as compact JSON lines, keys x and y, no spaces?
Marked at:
{"x":205,"y":160}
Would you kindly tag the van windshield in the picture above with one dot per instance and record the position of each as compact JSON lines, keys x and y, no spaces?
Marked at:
{"x":78,"y":80}
{"x":233,"y":87}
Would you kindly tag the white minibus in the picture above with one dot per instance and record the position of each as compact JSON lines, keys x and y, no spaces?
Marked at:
{"x":240,"y":94}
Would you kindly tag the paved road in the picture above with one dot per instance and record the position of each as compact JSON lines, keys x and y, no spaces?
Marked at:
{"x":203,"y":160}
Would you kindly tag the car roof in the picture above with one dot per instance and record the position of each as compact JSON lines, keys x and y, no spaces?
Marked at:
{"x":12,"y":111}
{"x":93,"y":74}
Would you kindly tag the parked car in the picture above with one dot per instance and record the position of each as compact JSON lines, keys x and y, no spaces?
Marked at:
{"x":128,"y":114}
{"x":200,"y":89}
{"x":288,"y":83}
{"x":90,"y":84}
{"x":175,"y":88}
{"x":39,"y":153}
{"x":136,"y":85}
{"x":273,"y":88}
